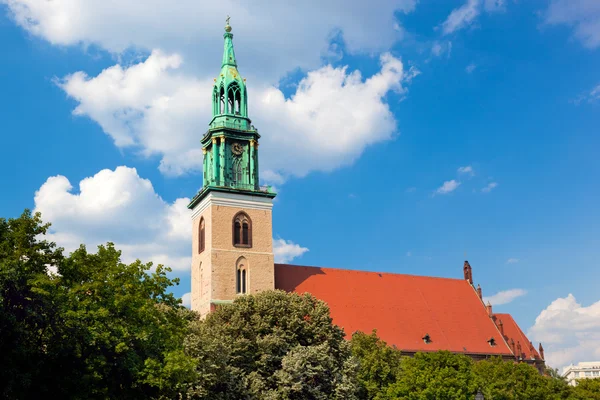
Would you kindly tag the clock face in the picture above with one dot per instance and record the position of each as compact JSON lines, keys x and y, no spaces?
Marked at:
{"x":237,"y":149}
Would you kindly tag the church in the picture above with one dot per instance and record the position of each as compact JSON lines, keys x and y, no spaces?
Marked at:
{"x":232,"y":254}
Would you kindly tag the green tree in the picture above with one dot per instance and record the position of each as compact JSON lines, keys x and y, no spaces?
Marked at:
{"x":96,"y":328}
{"x":28,"y":318}
{"x":506,"y":380}
{"x":379,"y":364}
{"x":586,"y":389}
{"x":272,"y":345}
{"x":434,"y":376}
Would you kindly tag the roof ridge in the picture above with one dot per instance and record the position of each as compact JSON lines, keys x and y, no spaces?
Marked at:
{"x":370,"y":272}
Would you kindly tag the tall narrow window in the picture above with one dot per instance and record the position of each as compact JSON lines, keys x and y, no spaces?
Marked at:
{"x":245,"y":233}
{"x":237,"y":170}
{"x":244,"y":281}
{"x":222,"y":101}
{"x":241,"y":276}
{"x":233,"y":98}
{"x":201,"y":236}
{"x":242,"y":230}
{"x":236,"y":233}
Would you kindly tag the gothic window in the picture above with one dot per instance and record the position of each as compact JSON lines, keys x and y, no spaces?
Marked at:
{"x":215,"y":101}
{"x":237,"y":174}
{"x":222,"y":101}
{"x":234,"y":98}
{"x":201,"y":236}
{"x":241,"y":276}
{"x":242,"y":230}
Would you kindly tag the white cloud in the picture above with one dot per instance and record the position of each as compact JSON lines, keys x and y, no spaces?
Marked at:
{"x":467,"y":170}
{"x":327,"y":123}
{"x":467,"y":14}
{"x":121,"y":207}
{"x":569,"y":331}
{"x":582,"y":15}
{"x":490,"y":186}
{"x":504,"y":297}
{"x":512,"y":261}
{"x":193,"y":28}
{"x":186,"y":300}
{"x":286,"y":250}
{"x":447,"y":187}
{"x":470,"y":68}
{"x":461,"y":17}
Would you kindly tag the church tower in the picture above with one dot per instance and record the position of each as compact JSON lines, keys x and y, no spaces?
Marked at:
{"x":232,"y":249}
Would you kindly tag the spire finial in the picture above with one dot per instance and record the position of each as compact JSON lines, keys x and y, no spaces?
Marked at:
{"x":227,"y":26}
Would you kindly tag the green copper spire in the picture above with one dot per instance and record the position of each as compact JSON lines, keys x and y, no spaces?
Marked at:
{"x":230,"y":147}
{"x":228,"y":53}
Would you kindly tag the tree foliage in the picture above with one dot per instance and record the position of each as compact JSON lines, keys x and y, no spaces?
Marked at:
{"x":587,"y":389}
{"x":440,"y":375}
{"x":271,"y":345}
{"x":84,"y":325}
{"x":379,"y":364}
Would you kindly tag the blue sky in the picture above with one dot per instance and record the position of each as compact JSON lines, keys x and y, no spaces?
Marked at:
{"x":472,"y":127}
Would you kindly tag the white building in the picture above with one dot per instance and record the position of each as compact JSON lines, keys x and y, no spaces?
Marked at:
{"x":583,"y":370}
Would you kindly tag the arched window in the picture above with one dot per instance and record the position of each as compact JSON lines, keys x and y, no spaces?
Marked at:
{"x":241,"y":276}
{"x":201,"y":236}
{"x":236,"y":173}
{"x":215,"y":101}
{"x":222,"y":101}
{"x":234,"y":98}
{"x":242,"y":230}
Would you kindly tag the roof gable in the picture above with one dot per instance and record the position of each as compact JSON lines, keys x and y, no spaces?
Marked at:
{"x":513,"y":331}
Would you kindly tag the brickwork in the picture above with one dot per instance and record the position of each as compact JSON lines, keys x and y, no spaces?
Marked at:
{"x":214,"y":270}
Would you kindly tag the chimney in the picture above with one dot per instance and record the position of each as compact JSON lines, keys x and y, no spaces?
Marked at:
{"x":512,"y":347}
{"x":479,"y":291}
{"x":489,"y":309}
{"x":541,"y":349}
{"x":519,"y":350}
{"x":501,"y":327}
{"x":468,"y":272}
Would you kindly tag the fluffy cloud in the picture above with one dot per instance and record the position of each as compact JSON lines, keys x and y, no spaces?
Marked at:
{"x":512,"y":261}
{"x":582,"y":15}
{"x":121,"y":207}
{"x":569,"y":331}
{"x":330,"y":119}
{"x":447,"y":187}
{"x":192,"y":28}
{"x":490,"y":186}
{"x":286,"y":251}
{"x":505,"y":296}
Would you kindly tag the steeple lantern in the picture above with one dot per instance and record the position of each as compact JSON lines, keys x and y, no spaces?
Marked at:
{"x":230,"y":146}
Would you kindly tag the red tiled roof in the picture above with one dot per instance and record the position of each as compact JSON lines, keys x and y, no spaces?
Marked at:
{"x":403,"y":308}
{"x":514,"y":332}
